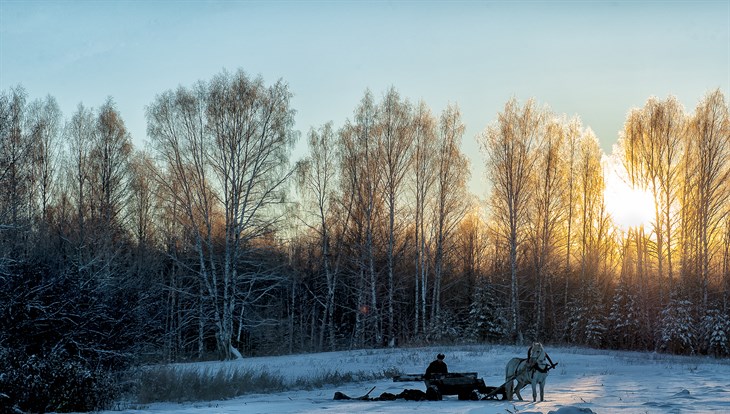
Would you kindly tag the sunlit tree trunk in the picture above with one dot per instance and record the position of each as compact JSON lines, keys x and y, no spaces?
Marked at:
{"x":546,"y":213}
{"x":709,"y":130}
{"x":451,"y":202}
{"x":590,"y":184}
{"x":396,"y":137}
{"x":226,"y":145}
{"x":317,"y":181}
{"x":673,"y":148}
{"x":423,"y":177}
{"x":362,"y":166}
{"x":653,"y":143}
{"x":573,"y":131}
{"x":510,"y":146}
{"x":726,"y":265}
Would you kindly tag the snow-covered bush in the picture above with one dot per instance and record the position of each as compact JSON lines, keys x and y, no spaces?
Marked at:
{"x":595,"y":331}
{"x":60,"y":344}
{"x":677,"y":334}
{"x":586,"y":321}
{"x":486,"y":317}
{"x":576,"y":321}
{"x":624,"y":321}
{"x":715,"y":333}
{"x":445,"y":327}
{"x":55,"y":383}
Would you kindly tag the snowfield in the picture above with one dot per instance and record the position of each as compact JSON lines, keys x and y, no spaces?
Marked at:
{"x":584,"y":381}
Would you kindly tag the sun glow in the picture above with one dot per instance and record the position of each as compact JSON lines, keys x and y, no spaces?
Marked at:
{"x":629,"y":207}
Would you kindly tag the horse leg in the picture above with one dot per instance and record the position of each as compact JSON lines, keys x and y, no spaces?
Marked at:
{"x":542,"y":390}
{"x":534,"y":391}
{"x":509,"y":377}
{"x":508,"y":390}
{"x":520,"y":385}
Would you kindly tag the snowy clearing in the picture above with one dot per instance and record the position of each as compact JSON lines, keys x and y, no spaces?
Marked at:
{"x":585,"y":380}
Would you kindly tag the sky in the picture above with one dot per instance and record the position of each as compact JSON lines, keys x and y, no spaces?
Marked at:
{"x":596,"y":60}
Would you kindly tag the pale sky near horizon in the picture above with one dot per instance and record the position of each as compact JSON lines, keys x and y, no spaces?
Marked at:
{"x":593,"y":59}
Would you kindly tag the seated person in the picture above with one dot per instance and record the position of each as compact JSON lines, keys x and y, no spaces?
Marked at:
{"x":437,"y":367}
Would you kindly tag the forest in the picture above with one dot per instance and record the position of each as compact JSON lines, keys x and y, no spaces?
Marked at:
{"x":213,"y":242}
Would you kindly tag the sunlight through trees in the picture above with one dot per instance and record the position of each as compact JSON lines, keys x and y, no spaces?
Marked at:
{"x":212,"y":243}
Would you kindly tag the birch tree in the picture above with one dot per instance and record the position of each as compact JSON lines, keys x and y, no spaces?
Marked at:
{"x":709,"y":146}
{"x":424,"y":176}
{"x":79,"y":134}
{"x":227,"y":142}
{"x":451,"y":201}
{"x":653,"y":141}
{"x":546,"y":213}
{"x":45,"y":130}
{"x":510,"y":145}
{"x":318,"y":180}
{"x":110,"y":162}
{"x":362,"y":167}
{"x":15,"y":158}
{"x":573,"y":133}
{"x":142,"y":201}
{"x":591,"y":186}
{"x":396,"y":129}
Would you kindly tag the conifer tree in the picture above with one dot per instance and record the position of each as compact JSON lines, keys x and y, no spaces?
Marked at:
{"x":715,"y":333}
{"x":676,"y":334}
{"x":487,"y":320}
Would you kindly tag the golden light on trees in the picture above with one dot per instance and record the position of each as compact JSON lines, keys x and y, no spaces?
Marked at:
{"x":200,"y":244}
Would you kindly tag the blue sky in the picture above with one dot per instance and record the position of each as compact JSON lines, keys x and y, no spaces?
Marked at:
{"x":596,"y":60}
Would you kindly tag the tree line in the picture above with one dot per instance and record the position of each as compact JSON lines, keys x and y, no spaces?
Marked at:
{"x":213,"y":243}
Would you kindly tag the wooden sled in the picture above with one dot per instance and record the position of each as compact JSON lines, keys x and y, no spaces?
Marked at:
{"x":465,"y":385}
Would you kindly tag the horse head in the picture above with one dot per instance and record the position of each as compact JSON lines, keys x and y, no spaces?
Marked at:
{"x":537,"y":354}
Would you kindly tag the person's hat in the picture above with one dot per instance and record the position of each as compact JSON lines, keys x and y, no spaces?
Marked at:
{"x":440,"y":356}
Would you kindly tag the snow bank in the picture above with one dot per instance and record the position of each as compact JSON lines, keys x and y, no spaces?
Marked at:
{"x":585,"y":381}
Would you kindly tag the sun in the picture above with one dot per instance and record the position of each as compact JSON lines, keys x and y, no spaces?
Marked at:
{"x":628,"y":206}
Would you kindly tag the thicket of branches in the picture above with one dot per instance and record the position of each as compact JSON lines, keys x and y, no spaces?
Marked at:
{"x":212,"y":244}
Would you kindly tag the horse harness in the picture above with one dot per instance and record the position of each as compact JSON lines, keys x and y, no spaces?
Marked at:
{"x":536,"y":367}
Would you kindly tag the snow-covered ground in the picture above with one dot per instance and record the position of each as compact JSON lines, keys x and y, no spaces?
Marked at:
{"x":584,"y":381}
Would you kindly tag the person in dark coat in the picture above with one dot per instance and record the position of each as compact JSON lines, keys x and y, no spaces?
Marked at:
{"x":437,"y":367}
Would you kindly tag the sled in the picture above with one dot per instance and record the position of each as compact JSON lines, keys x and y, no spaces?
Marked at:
{"x":465,"y":385}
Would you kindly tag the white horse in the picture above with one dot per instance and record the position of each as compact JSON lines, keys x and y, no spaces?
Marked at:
{"x":533,"y":371}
